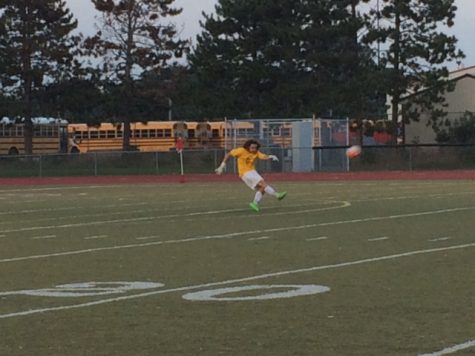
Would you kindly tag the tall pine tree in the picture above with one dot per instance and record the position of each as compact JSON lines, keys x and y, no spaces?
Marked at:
{"x":134,"y":37}
{"x":417,"y":54}
{"x":36,"y":47}
{"x":280,"y":58}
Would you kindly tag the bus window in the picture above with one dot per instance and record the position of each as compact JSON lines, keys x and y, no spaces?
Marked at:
{"x":160,"y":133}
{"x":120,"y":134}
{"x":110,"y":134}
{"x":93,"y":134}
{"x":168,"y":133}
{"x":102,"y":134}
{"x":285,"y":132}
{"x":153,"y":133}
{"x":191,"y":133}
{"x":215,"y":133}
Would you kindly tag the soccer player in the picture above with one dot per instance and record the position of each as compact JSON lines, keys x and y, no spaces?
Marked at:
{"x":247,"y":157}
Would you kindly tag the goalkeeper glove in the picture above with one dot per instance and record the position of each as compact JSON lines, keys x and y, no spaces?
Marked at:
{"x":220,"y":169}
{"x":274,"y":158}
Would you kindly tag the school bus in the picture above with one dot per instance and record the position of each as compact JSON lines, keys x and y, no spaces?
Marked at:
{"x":49,"y":136}
{"x":146,"y":137}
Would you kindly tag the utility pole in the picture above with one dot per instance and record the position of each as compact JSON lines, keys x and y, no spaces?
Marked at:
{"x":378,"y":17}
{"x":170,"y":104}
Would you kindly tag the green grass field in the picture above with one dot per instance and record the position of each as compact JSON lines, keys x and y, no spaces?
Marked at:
{"x":337,"y":268}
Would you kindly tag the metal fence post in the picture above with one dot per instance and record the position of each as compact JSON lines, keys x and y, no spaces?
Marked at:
{"x":41,"y":166}
{"x":95,"y":164}
{"x":282,"y":158}
{"x":156,"y":163}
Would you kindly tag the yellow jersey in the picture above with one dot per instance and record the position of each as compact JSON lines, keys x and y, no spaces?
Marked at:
{"x":246,"y":160}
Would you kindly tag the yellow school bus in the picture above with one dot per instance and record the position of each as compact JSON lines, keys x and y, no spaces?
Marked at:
{"x":146,"y":137}
{"x":49,"y":136}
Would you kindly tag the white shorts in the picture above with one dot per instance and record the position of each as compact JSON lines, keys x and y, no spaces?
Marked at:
{"x":252,"y":179}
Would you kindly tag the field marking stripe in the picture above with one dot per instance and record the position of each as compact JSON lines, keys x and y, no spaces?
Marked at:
{"x":43,"y":237}
{"x":259,"y":238}
{"x":147,"y":237}
{"x":159,"y":210}
{"x":115,"y":221}
{"x":238,"y":280}
{"x":452,"y":349}
{"x":440,"y":239}
{"x":67,"y":208}
{"x":344,"y":204}
{"x":378,"y":239}
{"x":230,"y":235}
{"x":95,"y":237}
{"x":318,"y":238}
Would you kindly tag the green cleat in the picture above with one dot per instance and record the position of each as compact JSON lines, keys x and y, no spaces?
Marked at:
{"x":254,"y":206}
{"x":281,"y":196}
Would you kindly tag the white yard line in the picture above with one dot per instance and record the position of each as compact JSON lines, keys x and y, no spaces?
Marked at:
{"x":452,"y":349}
{"x":147,"y":237}
{"x":318,"y":238}
{"x":440,"y":239}
{"x":43,"y":237}
{"x":412,"y":197}
{"x":259,"y":238}
{"x":238,"y":280}
{"x":181,"y":216}
{"x":230,"y":235}
{"x":343,"y":204}
{"x":379,"y":239}
{"x":85,"y":187}
{"x":161,"y":209}
{"x":95,"y":237}
{"x":17,"y":212}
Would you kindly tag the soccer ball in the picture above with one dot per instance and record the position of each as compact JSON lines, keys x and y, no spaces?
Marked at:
{"x":353,"y":151}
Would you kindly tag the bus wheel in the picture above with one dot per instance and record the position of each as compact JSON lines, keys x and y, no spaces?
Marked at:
{"x":75,"y":150}
{"x":13,"y":151}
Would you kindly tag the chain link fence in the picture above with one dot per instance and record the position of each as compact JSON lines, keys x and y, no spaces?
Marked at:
{"x":373,"y":158}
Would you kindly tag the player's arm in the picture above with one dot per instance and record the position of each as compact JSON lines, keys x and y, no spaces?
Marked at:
{"x":222,"y":166}
{"x":264,"y":157}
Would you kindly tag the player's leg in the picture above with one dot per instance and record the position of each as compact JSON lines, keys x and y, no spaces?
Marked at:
{"x":271,"y":191}
{"x":257,"y":197}
{"x":254,"y":181}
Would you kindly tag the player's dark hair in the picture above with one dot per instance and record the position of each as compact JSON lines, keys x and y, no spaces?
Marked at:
{"x":248,"y":144}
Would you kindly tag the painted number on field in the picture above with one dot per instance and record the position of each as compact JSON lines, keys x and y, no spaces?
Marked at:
{"x":254,"y":292}
{"x":86,"y":289}
{"x":286,"y":291}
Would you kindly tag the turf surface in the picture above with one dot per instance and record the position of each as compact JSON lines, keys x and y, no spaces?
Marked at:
{"x":398,"y":258}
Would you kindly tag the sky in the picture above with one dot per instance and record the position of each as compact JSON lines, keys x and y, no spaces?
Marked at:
{"x":188,"y":21}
